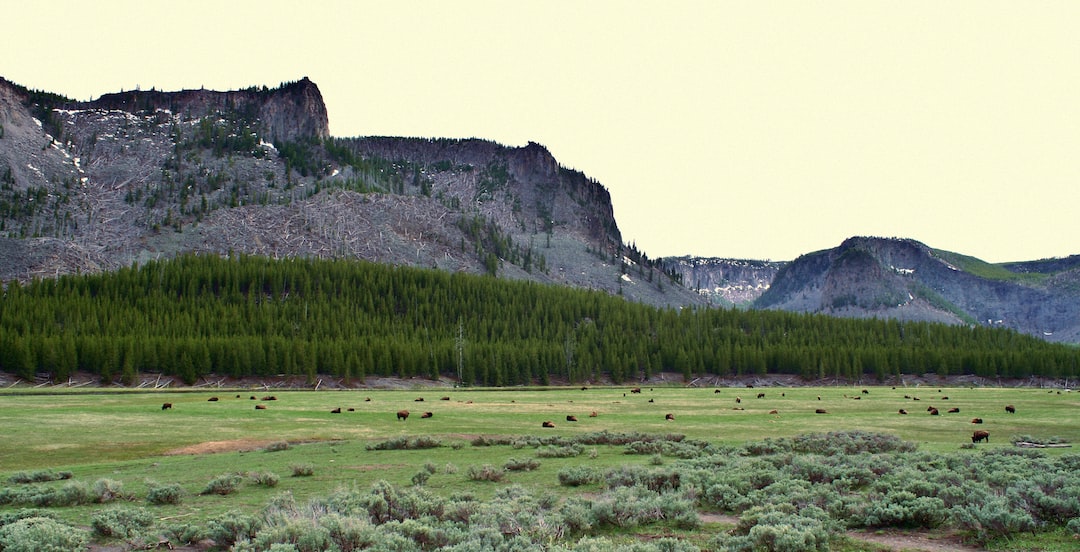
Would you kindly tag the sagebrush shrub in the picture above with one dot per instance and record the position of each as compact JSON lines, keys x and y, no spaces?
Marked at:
{"x":231,"y":527}
{"x":170,"y":493}
{"x":302,"y":470}
{"x":223,"y":484}
{"x":487,"y":472}
{"x":266,"y":479}
{"x":121,"y":522}
{"x":41,"y":534}
{"x":521,"y":464}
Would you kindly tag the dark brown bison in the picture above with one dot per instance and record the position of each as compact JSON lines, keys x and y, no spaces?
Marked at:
{"x":547,"y":424}
{"x":980,"y":436}
{"x":252,"y":397}
{"x":669,"y":416}
{"x":636,"y":390}
{"x":444,"y":398}
{"x":761,"y":395}
{"x":865,"y":392}
{"x":403,"y":414}
{"x":571,"y":418}
{"x":212,"y":399}
{"x":352,"y":410}
{"x":426,"y":415}
{"x":418,"y":399}
{"x":821,"y":411}
{"x":954,"y":410}
{"x":716,"y":391}
{"x":976,"y":420}
{"x":738,"y":400}
{"x":934,"y":412}
{"x":336,"y":410}
{"x":774,"y":412}
{"x":166,"y":406}
{"x":1010,"y":409}
{"x":260,"y":407}
{"x":269,"y":398}
{"x":902,"y":411}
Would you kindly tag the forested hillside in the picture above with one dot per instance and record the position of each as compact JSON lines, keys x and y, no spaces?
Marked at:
{"x":252,"y":316}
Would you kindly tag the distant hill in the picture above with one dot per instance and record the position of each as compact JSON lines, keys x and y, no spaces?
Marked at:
{"x":907,"y":280}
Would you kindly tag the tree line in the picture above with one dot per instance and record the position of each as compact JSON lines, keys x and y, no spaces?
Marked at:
{"x":200,"y":315}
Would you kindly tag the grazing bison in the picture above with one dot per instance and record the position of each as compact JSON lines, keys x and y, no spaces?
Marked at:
{"x":821,"y":411}
{"x":774,"y":412}
{"x":865,"y":392}
{"x":444,"y":398}
{"x":269,"y":398}
{"x":418,"y":399}
{"x":212,"y":399}
{"x":716,"y":391}
{"x":976,"y":420}
{"x":1010,"y":409}
{"x":738,"y":400}
{"x":902,"y":411}
{"x":669,"y":416}
{"x":954,"y":410}
{"x":547,"y":424}
{"x":166,"y":406}
{"x":980,"y":436}
{"x":352,"y":410}
{"x":403,"y":414}
{"x":336,"y":410}
{"x":571,"y":418}
{"x":426,"y":415}
{"x":761,"y":395}
{"x":636,"y":390}
{"x":260,"y":407}
{"x":252,"y":397}
{"x":933,"y":412}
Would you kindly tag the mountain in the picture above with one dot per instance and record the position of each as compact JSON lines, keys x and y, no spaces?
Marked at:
{"x":139,"y":175}
{"x":905,"y":279}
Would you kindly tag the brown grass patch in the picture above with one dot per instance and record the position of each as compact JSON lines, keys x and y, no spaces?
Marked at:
{"x":214,"y":447}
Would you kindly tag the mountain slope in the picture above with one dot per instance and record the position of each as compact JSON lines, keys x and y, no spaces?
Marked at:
{"x":138,"y":175}
{"x":905,"y":279}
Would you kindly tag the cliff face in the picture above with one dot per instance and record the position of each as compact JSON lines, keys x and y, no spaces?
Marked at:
{"x":287,"y":113}
{"x":728,"y":282}
{"x":140,"y":175}
{"x":904,"y":279}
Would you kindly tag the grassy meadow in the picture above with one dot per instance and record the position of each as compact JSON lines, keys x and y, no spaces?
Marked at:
{"x":125,"y":436}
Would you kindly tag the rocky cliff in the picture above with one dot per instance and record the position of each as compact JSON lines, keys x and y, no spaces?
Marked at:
{"x":726,"y":282}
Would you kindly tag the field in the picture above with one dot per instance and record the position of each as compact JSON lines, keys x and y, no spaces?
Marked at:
{"x":127,"y":437}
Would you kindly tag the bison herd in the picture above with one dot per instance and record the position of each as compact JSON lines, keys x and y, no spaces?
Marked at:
{"x":978,"y":436}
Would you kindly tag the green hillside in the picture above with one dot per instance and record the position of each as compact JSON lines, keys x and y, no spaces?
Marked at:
{"x":252,"y":316}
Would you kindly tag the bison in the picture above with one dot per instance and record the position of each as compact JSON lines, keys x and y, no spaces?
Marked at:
{"x":761,"y":395}
{"x":636,"y":390}
{"x":336,"y":410}
{"x":418,"y":399}
{"x":865,"y":392}
{"x":954,"y":410}
{"x":933,"y":412}
{"x":774,"y":411}
{"x":571,"y":418}
{"x":548,"y":424}
{"x":212,"y":399}
{"x":427,"y":415}
{"x":403,"y":415}
{"x":980,"y":436}
{"x":1010,"y":409}
{"x":260,"y":407}
{"x":738,"y":400}
{"x":716,"y":391}
{"x":166,"y":406}
{"x":821,"y":411}
{"x":593,"y":414}
{"x":669,"y":416}
{"x":444,"y":398}
{"x":902,"y":411}
{"x":976,"y":420}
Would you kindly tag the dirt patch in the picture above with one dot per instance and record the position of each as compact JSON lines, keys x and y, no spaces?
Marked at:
{"x":913,"y":542}
{"x":214,"y":447}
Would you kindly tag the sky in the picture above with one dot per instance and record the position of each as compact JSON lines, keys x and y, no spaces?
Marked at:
{"x":753,"y":130}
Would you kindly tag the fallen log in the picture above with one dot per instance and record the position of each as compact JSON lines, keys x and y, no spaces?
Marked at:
{"x":1025,"y":444}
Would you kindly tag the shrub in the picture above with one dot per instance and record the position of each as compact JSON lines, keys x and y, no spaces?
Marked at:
{"x":41,"y":534}
{"x":277,"y":446}
{"x":487,"y":472}
{"x":420,"y":478}
{"x":171,"y":493}
{"x":266,"y":479}
{"x":521,"y":464}
{"x":904,"y":509}
{"x":302,"y":470}
{"x":303,"y":535}
{"x":108,"y":490}
{"x":231,"y":527}
{"x":121,"y":523}
{"x":1073,"y":526}
{"x":40,"y":476}
{"x":780,"y":528}
{"x":992,"y":518}
{"x":552,"y":451}
{"x":186,"y":533}
{"x":407,"y":443}
{"x":575,"y":476}
{"x":223,"y":484}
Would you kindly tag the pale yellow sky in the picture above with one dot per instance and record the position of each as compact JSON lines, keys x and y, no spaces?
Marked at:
{"x":757,"y":130}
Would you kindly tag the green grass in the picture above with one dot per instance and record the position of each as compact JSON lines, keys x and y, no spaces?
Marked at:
{"x":125,"y":436}
{"x":987,"y":270}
